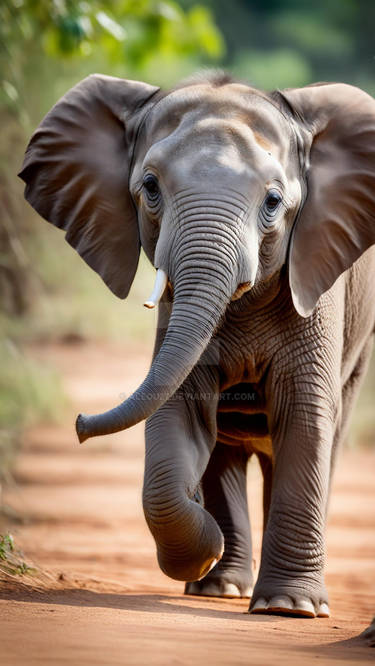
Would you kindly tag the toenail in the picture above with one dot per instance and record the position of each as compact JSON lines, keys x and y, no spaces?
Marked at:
{"x":280,"y":603}
{"x":324,"y":610}
{"x":259,"y":606}
{"x":306,"y":607}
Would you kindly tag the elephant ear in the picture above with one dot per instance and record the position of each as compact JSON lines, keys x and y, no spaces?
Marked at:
{"x":337,"y":221}
{"x":76,"y":171}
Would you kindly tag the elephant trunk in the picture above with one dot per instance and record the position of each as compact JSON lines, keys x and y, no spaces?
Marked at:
{"x":204,"y":281}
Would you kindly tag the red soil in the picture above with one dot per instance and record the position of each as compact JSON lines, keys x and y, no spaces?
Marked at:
{"x":107,"y":602}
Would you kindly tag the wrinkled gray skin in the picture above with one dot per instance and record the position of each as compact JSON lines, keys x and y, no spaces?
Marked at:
{"x":243,"y":364}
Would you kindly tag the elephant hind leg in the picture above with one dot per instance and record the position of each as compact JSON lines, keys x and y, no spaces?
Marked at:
{"x":224,"y":490}
{"x":350,"y":392}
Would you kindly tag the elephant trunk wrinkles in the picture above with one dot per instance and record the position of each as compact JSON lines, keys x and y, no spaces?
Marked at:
{"x":203,"y":285}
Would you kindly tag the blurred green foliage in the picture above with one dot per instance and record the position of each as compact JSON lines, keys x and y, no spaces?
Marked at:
{"x":55,"y":42}
{"x":28,"y":393}
{"x":12,"y":561}
{"x":280,"y":43}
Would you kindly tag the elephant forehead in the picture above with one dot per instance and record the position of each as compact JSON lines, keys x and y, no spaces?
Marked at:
{"x":231,"y":155}
{"x":215,"y":148}
{"x":224,"y":112}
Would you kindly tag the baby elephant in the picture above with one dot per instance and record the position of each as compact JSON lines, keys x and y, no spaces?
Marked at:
{"x":258,"y":212}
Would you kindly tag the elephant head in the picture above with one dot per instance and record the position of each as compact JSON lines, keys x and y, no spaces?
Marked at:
{"x":221,"y":184}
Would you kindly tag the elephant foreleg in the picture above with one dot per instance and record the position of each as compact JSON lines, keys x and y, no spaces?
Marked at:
{"x":224,"y":489}
{"x":302,"y":423}
{"x":189,"y":541}
{"x":265,"y":462}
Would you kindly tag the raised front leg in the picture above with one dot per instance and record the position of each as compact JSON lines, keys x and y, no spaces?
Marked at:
{"x":224,"y":490}
{"x":303,"y":412}
{"x":180,"y":438}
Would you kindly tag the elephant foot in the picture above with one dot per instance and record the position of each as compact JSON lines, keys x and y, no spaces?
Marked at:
{"x":295,"y":604}
{"x":302,"y":607}
{"x":219,"y":587}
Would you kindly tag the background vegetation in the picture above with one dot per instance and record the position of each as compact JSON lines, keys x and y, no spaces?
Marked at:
{"x":46,"y":46}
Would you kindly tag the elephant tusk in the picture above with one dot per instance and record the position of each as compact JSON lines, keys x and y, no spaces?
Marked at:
{"x":159,"y":287}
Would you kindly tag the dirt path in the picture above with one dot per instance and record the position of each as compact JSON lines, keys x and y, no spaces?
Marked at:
{"x":111,"y":604}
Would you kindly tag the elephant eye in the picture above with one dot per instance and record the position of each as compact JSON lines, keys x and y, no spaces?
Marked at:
{"x":272,"y":202}
{"x":151,"y":187}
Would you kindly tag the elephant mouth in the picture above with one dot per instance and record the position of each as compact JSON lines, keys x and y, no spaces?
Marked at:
{"x":161,"y":282}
